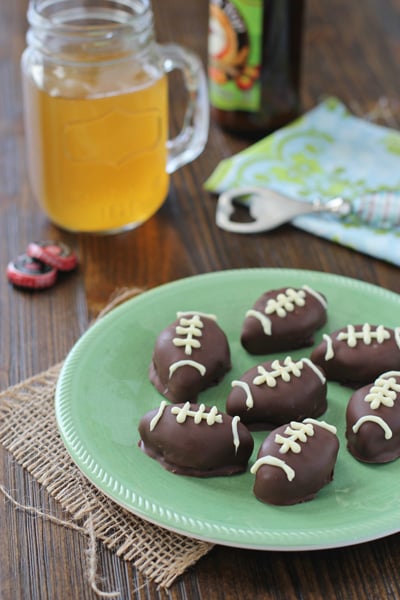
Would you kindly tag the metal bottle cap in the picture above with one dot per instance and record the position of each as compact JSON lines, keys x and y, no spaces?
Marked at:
{"x":55,"y":254}
{"x":28,"y":272}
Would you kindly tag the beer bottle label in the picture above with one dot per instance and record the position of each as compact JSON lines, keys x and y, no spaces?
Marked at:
{"x":235,"y":53}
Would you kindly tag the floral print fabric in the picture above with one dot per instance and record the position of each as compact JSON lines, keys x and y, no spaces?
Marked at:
{"x":328,"y":152}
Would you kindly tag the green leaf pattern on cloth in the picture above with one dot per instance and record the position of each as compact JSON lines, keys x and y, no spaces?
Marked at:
{"x":327,"y":152}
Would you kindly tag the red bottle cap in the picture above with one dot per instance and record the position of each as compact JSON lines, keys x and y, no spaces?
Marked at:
{"x":56,"y":254}
{"x":28,"y":272}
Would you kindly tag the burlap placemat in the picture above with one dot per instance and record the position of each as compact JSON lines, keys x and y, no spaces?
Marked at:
{"x":28,"y":430}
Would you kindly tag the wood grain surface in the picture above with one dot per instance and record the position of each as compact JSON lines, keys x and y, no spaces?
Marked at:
{"x":351,"y":50}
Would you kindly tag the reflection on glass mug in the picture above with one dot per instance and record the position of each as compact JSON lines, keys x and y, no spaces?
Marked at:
{"x":96,"y":112}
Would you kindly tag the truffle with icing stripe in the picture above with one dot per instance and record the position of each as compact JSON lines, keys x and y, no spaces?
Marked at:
{"x":373,"y":420}
{"x":194,"y":439}
{"x":283,"y":319}
{"x":278,"y":391}
{"x":357,"y":354}
{"x":295,"y":462}
{"x":190,"y":355}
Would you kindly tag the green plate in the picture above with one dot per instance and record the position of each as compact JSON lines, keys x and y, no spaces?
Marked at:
{"x":103,"y":391}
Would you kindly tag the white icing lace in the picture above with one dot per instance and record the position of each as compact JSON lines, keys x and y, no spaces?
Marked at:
{"x":186,"y":363}
{"x":383,"y":392}
{"x":374,"y":419}
{"x":329,"y":353}
{"x":245,"y":386}
{"x":158,"y":415}
{"x":285,"y":370}
{"x":285,"y":302}
{"x":296,"y":432}
{"x":273,"y":461}
{"x":191,"y":329}
{"x":264,"y":321}
{"x":367,"y":335}
{"x":235,"y":433}
{"x":320,"y":298}
{"x":322,"y":424}
{"x":185,"y":411}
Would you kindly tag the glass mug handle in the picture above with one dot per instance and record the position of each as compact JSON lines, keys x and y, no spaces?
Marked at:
{"x":192,"y":138}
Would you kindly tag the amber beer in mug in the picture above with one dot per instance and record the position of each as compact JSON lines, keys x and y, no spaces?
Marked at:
{"x":96,"y":112}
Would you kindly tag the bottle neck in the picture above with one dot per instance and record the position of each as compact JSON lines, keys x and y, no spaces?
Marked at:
{"x":70,"y":31}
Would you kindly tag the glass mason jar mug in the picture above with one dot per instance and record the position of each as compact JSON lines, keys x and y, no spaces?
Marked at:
{"x":96,"y":112}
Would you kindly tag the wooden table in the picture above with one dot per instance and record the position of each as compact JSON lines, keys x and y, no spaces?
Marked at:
{"x":352,"y":50}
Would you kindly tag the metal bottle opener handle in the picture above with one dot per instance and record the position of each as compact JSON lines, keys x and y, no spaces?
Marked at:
{"x":269,"y":209}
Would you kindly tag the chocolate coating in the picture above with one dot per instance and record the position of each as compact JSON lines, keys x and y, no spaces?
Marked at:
{"x":298,"y":394}
{"x":186,"y":382}
{"x":196,"y":449}
{"x":313,"y":467}
{"x":362,"y":363}
{"x":378,"y":400}
{"x":290,"y":328}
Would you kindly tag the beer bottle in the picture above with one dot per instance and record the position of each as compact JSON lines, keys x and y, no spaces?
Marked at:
{"x":254,"y":59}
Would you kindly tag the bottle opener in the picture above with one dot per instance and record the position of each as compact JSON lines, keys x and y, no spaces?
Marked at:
{"x":270,"y":209}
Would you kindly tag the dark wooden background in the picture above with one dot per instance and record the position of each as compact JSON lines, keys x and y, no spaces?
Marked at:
{"x":352,"y":50}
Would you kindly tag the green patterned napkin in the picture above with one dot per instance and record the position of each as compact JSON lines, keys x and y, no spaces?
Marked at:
{"x":328,"y":152}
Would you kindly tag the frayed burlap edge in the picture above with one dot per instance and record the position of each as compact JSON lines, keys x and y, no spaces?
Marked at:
{"x":28,"y":430}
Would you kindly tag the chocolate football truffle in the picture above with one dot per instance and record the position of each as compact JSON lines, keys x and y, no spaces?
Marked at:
{"x":283,"y":319}
{"x":355,"y":355}
{"x":190,"y":355}
{"x":276,"y":392}
{"x":373,"y":420}
{"x":295,"y":461}
{"x":196,"y":440}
